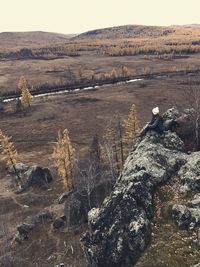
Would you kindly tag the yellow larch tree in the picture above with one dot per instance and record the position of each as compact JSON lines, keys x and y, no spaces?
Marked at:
{"x":125,"y":72}
{"x":113,"y":74}
{"x":63,"y":155}
{"x":26,"y":96}
{"x":9,"y":153}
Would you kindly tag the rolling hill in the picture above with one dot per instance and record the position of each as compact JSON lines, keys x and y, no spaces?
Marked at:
{"x":30,"y":39}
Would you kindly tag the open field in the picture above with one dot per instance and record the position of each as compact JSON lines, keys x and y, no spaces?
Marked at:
{"x":62,"y":71}
{"x":87,"y":113}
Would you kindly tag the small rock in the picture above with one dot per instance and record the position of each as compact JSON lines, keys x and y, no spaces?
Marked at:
{"x":59,"y":222}
{"x":20,"y":167}
{"x":25,"y":228}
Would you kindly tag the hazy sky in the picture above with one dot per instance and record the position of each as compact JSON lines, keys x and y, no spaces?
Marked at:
{"x":75,"y":16}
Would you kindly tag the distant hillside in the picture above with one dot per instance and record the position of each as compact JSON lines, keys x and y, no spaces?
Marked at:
{"x":27,"y":39}
{"x":127,"y":31}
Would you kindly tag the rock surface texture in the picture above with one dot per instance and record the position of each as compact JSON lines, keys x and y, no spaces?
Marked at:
{"x":120,"y":229}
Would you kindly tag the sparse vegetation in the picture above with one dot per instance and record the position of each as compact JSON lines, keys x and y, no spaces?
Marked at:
{"x":63,"y":155}
{"x":9,"y":154}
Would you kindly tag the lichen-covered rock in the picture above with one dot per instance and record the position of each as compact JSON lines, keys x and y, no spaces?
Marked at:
{"x":120,"y":229}
{"x":190,"y":173}
{"x":187,"y":217}
{"x":182,"y":215}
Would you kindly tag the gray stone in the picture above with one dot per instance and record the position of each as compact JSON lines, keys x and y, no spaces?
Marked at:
{"x":182,"y":215}
{"x":190,"y":173}
{"x":187,"y":217}
{"x":37,"y":176}
{"x":120,"y":229}
{"x":25,"y":228}
{"x":20,"y":167}
{"x":78,"y":203}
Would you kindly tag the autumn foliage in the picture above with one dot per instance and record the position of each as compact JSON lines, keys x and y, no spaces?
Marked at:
{"x":26,"y":96}
{"x":9,"y":153}
{"x":63,"y":155}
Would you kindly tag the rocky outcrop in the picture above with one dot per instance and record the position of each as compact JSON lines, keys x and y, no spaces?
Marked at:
{"x":190,"y":174}
{"x":120,"y":229}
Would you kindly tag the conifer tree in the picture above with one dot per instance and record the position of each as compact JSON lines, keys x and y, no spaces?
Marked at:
{"x":80,"y":74}
{"x":9,"y":153}
{"x":26,"y":96}
{"x":113,"y":74}
{"x":131,"y":128}
{"x":63,"y":155}
{"x":125,"y":72}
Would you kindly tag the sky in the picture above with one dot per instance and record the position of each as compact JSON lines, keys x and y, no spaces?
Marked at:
{"x":76,"y":16}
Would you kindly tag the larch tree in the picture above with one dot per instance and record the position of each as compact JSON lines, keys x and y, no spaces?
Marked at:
{"x":131,"y":128}
{"x":63,"y":155}
{"x":80,"y":74}
{"x":10,"y":154}
{"x":26,"y":96}
{"x":125,"y":72}
{"x":113,"y":74}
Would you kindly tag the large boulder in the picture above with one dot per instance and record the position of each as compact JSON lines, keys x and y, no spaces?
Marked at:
{"x":120,"y":229}
{"x":190,"y":174}
{"x":37,"y":176}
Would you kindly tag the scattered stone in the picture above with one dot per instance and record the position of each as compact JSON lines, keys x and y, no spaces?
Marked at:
{"x":182,"y":215}
{"x":59,"y":222}
{"x":25,"y":228}
{"x":20,"y":167}
{"x":23,"y":231}
{"x":44,"y":215}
